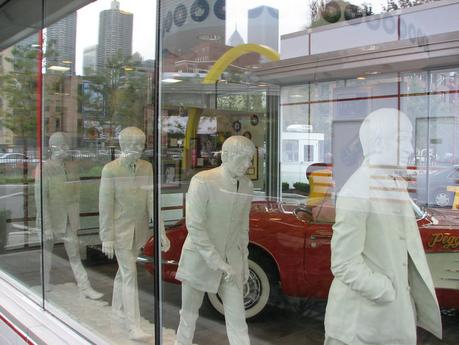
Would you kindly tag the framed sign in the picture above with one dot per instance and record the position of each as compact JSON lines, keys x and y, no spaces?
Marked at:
{"x":170,"y":174}
{"x":252,"y":171}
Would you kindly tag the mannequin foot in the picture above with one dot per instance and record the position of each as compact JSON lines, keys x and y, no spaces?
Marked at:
{"x":138,"y":334}
{"x":90,"y":293}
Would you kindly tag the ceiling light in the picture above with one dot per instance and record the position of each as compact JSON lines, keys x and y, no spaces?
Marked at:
{"x":370,"y":48}
{"x":361,"y":78}
{"x":59,"y":68}
{"x":372,"y":73}
{"x":67,"y":62}
{"x":171,"y":80}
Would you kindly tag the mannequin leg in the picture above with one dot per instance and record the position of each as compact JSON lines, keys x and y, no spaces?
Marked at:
{"x":233,"y":303}
{"x":72,"y":247}
{"x":117,"y":298}
{"x":126,"y":283}
{"x":191,"y":302}
{"x":48,"y":246}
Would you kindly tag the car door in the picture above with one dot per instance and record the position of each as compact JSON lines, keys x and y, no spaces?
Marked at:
{"x":317,"y":257}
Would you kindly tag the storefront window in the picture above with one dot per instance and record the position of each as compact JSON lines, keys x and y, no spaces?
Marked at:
{"x":221,"y":171}
{"x":328,"y":108}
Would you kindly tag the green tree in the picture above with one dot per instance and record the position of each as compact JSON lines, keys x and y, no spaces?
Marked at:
{"x":123,"y":89}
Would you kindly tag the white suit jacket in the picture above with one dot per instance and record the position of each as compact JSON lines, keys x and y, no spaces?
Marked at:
{"x":61,"y":196}
{"x":126,"y":203}
{"x":379,"y":266}
{"x":217,"y":219}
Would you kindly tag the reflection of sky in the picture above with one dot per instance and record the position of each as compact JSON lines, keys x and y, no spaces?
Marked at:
{"x":293,"y":16}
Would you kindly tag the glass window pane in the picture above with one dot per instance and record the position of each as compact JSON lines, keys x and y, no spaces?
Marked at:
{"x":20,"y":245}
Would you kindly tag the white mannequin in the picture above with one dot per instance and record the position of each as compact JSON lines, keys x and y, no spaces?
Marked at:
{"x":61,"y":211}
{"x":382,"y":287}
{"x":217,"y":219}
{"x":125,"y":209}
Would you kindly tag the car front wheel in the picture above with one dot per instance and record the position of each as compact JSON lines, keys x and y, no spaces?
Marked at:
{"x":257,"y":292}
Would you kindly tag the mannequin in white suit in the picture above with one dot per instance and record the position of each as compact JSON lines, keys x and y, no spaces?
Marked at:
{"x":215,"y":253}
{"x":61,"y":211}
{"x":125,"y":209}
{"x":382,"y":288}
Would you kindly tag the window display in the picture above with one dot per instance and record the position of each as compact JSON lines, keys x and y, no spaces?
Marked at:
{"x":61,"y":211}
{"x":215,"y":254}
{"x":117,"y":216}
{"x":126,"y":207}
{"x":382,"y":287}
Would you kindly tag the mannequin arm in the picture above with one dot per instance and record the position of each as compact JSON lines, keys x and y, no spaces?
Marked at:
{"x":347,"y":244}
{"x":196,"y":223}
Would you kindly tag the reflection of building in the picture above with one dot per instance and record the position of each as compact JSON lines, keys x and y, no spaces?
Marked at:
{"x":186,"y":23}
{"x":61,"y":38}
{"x":61,"y":105}
{"x":263,"y":26}
{"x":235,"y":39}
{"x":90,"y":60}
{"x":115,"y":34}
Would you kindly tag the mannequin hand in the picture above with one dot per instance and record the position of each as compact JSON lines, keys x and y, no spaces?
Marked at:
{"x":48,"y":235}
{"x":165,"y":243}
{"x":107,"y":248}
{"x":228,"y":272}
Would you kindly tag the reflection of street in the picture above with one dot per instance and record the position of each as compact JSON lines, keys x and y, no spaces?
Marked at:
{"x":292,"y":321}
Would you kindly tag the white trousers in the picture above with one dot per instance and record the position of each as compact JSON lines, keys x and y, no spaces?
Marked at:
{"x":333,"y":341}
{"x":233,"y":303}
{"x":72,"y":247}
{"x":125,"y":289}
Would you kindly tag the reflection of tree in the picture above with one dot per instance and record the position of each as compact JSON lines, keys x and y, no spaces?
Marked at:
{"x":19,"y":89}
{"x":122,"y":85}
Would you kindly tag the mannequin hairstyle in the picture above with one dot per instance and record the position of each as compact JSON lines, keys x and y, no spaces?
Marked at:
{"x":58,"y":138}
{"x":237,"y":144}
{"x":380,"y":127}
{"x":131,"y":133}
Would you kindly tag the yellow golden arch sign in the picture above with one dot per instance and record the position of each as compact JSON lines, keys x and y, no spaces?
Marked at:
{"x":212,"y":77}
{"x":234,"y":53}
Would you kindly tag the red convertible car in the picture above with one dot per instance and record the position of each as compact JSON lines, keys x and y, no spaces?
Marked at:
{"x":290,"y":254}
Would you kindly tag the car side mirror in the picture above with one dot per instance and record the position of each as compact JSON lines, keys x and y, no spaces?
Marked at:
{"x":303,"y":214}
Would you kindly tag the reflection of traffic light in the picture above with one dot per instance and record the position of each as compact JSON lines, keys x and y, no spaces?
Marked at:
{"x":336,"y":11}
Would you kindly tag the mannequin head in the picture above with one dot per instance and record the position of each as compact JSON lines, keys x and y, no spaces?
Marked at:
{"x":132,"y":143}
{"x":58,"y":145}
{"x":386,"y":135}
{"x":237,"y":153}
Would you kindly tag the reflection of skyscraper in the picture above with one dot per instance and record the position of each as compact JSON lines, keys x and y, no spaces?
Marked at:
{"x":263,"y":26}
{"x":115,"y":34}
{"x":61,"y":38}
{"x":235,"y":39}
{"x":89,"y":60}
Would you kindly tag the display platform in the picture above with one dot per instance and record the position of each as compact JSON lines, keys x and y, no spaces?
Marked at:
{"x":98,"y":316}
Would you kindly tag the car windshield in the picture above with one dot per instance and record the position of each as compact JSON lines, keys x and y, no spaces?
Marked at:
{"x":418,"y":211}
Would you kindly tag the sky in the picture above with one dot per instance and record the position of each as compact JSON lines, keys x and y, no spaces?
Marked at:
{"x":293,"y":16}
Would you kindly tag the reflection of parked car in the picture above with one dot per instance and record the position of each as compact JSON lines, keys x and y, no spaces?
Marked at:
{"x":431,"y":188}
{"x":290,"y":253}
{"x":14,"y":161}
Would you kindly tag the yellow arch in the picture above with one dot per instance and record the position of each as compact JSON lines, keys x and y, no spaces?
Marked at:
{"x":226,"y":59}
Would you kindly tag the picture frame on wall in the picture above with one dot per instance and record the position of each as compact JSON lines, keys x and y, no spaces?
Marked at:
{"x":170,"y":174}
{"x":252,"y":171}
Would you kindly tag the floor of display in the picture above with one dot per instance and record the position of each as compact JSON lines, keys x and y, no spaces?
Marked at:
{"x":292,"y":322}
